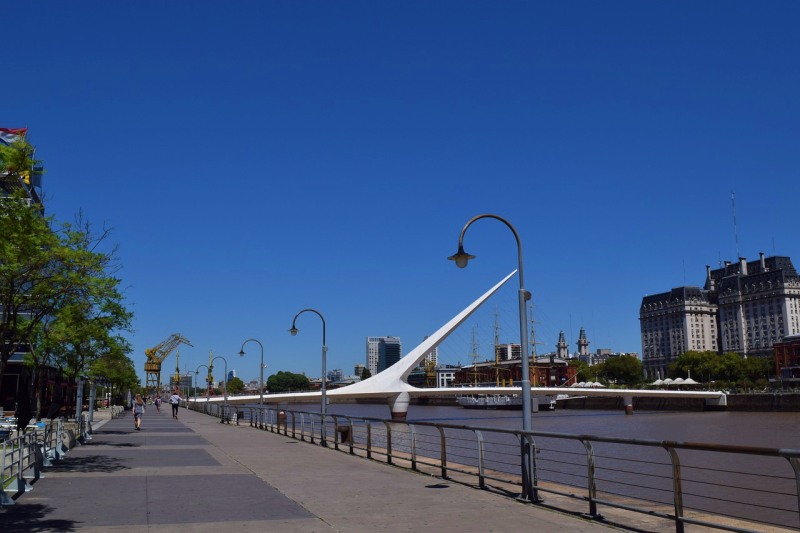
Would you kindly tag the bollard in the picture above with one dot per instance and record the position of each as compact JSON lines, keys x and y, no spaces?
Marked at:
{"x":344,"y":435}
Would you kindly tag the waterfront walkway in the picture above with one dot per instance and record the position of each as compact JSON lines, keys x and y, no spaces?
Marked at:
{"x":200,"y":475}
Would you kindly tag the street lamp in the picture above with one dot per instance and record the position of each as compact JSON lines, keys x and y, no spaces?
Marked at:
{"x":261,"y":378}
{"x":225,"y":389}
{"x":294,"y":331}
{"x":196,"y":374}
{"x":461,"y":259}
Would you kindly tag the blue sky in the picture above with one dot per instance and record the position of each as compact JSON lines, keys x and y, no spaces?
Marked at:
{"x":258,"y":158}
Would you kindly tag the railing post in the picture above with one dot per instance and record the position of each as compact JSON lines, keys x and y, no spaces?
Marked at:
{"x":369,"y":440}
{"x":590,"y":479}
{"x":388,"y":442}
{"x":443,"y":451}
{"x":530,"y":490}
{"x":795,"y":462}
{"x":5,"y":499}
{"x":413,"y":446}
{"x":481,"y":471}
{"x":677,"y":492}
{"x":22,"y":485}
{"x":352,"y":435}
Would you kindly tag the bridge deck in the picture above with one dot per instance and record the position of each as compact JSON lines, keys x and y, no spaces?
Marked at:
{"x":204,"y":476}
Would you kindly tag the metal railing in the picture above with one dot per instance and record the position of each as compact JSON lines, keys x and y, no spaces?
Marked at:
{"x":24,"y":457}
{"x":731,"y":488}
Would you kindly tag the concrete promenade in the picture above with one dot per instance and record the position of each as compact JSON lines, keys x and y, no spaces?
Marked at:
{"x":196,"y":474}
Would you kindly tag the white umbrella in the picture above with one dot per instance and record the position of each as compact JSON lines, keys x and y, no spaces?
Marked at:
{"x":597,"y":385}
{"x":690,"y":381}
{"x":667,"y":381}
{"x":677,"y":381}
{"x":658,"y":382}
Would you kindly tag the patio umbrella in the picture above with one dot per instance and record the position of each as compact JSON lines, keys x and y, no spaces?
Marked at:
{"x":690,"y":381}
{"x":658,"y":382}
{"x":677,"y":381}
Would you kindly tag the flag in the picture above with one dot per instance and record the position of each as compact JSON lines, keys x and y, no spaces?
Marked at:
{"x":12,"y":135}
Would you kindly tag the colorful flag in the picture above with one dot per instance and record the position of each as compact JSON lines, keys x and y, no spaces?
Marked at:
{"x":12,"y":135}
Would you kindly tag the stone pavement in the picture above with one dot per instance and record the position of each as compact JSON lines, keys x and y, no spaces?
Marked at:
{"x":196,"y":474}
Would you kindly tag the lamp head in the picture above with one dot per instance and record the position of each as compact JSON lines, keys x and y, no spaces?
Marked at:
{"x":293,"y":331}
{"x":461,"y":257}
{"x":241,"y":352}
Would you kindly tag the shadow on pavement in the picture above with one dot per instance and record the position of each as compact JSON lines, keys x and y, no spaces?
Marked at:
{"x":91,"y":463}
{"x":33,"y":518}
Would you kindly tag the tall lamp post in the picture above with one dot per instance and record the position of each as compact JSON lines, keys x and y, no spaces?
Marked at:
{"x":461,"y":259}
{"x":324,"y":407}
{"x":225,"y":389}
{"x":261,"y":375}
{"x":196,"y":374}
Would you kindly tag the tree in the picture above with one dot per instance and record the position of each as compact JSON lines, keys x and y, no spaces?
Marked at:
{"x":623,"y":369}
{"x":287,"y":382}
{"x":59,"y":300}
{"x":235,"y":385}
{"x":703,"y":365}
{"x":87,"y":324}
{"x":583,"y":371}
{"x":365,"y":374}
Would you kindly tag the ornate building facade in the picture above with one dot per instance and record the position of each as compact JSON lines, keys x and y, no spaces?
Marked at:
{"x":744,"y":307}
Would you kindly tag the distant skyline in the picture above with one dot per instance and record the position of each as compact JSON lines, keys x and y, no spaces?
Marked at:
{"x":258,"y":158}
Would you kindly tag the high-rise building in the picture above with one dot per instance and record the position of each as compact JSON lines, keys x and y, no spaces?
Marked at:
{"x":743,"y":307}
{"x":432,"y":356}
{"x":382,"y":352}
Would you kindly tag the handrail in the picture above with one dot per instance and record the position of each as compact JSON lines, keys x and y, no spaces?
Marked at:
{"x":593,"y":472}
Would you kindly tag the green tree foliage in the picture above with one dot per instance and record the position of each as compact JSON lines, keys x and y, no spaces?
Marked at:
{"x":623,"y":370}
{"x":365,"y":373}
{"x":731,"y":367}
{"x":58,"y":292}
{"x":584,"y":371}
{"x":235,"y":385}
{"x":287,"y":382}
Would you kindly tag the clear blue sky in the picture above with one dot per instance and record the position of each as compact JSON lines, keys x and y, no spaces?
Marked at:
{"x":257,"y":158}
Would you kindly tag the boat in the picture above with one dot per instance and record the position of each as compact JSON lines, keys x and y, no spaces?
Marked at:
{"x":501,"y":401}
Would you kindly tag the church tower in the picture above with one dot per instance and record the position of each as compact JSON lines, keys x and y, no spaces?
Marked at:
{"x":561,"y":347}
{"x":583,"y":343}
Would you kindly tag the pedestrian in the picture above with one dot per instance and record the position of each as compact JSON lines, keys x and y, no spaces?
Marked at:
{"x":138,"y":411}
{"x":158,"y":403}
{"x":174,"y":400}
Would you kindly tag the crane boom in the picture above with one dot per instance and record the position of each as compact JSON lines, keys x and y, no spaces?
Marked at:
{"x":156,"y":356}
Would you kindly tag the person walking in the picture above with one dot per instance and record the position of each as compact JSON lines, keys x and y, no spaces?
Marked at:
{"x":174,"y":400}
{"x":138,"y":411}
{"x":158,"y":403}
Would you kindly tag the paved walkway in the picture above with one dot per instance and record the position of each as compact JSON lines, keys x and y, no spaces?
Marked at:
{"x":198,"y":475}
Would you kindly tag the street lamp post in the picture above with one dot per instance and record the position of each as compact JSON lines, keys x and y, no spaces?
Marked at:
{"x":324,"y":407}
{"x":461,"y":259}
{"x":196,"y":374}
{"x":225,"y":387}
{"x":261,"y":375}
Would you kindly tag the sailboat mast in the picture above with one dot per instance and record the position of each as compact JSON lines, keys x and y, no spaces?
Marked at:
{"x":474,"y":360}
{"x":496,"y":354}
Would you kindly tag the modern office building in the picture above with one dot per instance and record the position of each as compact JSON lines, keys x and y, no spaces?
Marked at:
{"x":744,"y":307}
{"x":382,"y":352}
